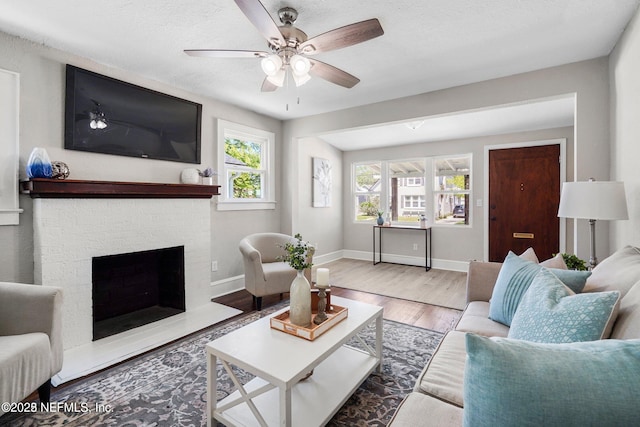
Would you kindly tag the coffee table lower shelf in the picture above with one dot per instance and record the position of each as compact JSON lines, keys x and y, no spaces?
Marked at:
{"x":313,"y":401}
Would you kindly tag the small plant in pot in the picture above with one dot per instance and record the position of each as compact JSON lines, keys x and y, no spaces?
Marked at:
{"x":573,"y":262}
{"x":297,"y":255}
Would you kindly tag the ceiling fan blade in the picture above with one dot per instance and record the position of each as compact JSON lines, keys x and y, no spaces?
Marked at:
{"x":221,"y":53}
{"x":343,"y":37}
{"x":260,"y":18}
{"x":332,"y":74}
{"x":267,"y":86}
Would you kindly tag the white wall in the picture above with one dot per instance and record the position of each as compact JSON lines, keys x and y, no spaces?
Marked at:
{"x":42,"y":78}
{"x":625,"y":130}
{"x":588,"y":80}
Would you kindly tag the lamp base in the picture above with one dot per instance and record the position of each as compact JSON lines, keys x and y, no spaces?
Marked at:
{"x":593,"y":260}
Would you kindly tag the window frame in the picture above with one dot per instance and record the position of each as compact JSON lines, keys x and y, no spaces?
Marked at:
{"x":355,"y":193}
{"x":467,"y":192}
{"x":429,"y":190}
{"x":10,"y":144}
{"x":227,"y":129}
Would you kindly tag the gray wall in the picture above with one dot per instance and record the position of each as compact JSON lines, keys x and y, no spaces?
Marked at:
{"x":449,"y":243}
{"x":625,"y":130}
{"x":323,"y":226}
{"x":42,"y":74}
{"x":587,"y":80}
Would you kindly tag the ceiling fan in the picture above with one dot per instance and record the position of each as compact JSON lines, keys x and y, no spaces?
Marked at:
{"x":290,"y":48}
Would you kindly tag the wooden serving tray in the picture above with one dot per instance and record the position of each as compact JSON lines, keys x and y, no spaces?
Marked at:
{"x":335,"y":315}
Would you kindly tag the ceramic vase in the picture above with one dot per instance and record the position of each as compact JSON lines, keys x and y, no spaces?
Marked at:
{"x":300,"y":301}
{"x":380,"y":220}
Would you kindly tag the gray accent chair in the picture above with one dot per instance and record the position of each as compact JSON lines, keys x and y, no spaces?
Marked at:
{"x":264,"y":273}
{"x":30,"y":340}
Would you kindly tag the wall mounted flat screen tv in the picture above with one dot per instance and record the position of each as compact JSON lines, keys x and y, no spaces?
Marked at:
{"x":105,"y":115}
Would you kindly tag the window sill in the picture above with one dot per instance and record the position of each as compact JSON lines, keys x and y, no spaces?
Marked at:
{"x":245,"y":206}
{"x":10,"y":216}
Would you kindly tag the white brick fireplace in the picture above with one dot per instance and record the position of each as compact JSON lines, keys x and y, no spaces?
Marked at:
{"x":69,"y":232}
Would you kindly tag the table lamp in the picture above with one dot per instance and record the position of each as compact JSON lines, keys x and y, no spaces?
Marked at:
{"x":593,"y":200}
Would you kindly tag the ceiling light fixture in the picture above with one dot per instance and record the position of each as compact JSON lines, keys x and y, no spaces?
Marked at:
{"x":414,"y":124}
{"x":271,"y":64}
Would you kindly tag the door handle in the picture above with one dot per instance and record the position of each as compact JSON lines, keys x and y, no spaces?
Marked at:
{"x":493,"y":218}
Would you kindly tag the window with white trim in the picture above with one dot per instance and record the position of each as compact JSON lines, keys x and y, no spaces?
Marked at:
{"x":399,"y":189}
{"x":451,"y":190}
{"x":245,"y":167}
{"x":9,"y":147}
{"x":367,"y":184}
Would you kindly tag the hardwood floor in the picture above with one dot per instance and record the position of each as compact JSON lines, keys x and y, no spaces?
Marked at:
{"x":409,"y":312}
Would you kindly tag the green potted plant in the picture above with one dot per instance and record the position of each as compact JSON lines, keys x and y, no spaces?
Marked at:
{"x":297,"y":255}
{"x":573,"y":262}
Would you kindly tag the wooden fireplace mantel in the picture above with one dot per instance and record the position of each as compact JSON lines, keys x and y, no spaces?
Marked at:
{"x":75,"y":189}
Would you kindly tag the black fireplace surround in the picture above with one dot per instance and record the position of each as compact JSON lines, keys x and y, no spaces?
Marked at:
{"x":134,"y":289}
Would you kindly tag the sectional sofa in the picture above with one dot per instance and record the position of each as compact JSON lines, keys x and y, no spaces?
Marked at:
{"x":545,"y":360}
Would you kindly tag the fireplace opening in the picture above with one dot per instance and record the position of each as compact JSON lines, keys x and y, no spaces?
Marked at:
{"x":134,"y":289}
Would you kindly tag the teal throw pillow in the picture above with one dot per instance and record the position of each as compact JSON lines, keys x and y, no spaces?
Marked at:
{"x":518,"y":383}
{"x":516,"y":274}
{"x":550,"y":312}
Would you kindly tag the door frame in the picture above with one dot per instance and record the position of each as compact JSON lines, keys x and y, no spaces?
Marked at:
{"x":563,"y":176}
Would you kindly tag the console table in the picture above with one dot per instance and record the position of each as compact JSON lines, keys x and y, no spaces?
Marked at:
{"x":427,"y":242}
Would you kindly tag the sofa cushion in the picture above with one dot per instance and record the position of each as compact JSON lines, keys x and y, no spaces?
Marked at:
{"x":627,"y":325}
{"x":511,"y":382}
{"x":25,"y":364}
{"x":443,"y":375}
{"x":550,"y":312}
{"x":555,"y":262}
{"x":620,"y":271}
{"x":417,"y":408}
{"x":516,"y":274}
{"x":475,"y":318}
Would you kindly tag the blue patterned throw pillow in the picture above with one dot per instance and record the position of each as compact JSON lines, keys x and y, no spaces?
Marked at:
{"x":550,"y":312}
{"x":515,"y":277}
{"x":518,"y":383}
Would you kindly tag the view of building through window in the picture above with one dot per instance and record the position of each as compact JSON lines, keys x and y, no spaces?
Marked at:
{"x":451,"y":190}
{"x":406,"y":193}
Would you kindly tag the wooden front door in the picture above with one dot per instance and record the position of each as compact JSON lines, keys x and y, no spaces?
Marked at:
{"x":524,"y":193}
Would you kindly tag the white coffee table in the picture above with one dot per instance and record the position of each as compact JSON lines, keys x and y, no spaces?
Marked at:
{"x":277,"y":397}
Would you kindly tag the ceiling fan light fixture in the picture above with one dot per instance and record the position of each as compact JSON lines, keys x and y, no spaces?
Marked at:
{"x":300,"y":65}
{"x":271,"y":65}
{"x":277,"y":78}
{"x":302,"y":79}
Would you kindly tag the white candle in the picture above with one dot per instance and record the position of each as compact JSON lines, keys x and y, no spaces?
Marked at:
{"x":322,"y":278}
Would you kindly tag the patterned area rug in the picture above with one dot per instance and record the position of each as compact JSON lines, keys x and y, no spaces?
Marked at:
{"x":167,"y":387}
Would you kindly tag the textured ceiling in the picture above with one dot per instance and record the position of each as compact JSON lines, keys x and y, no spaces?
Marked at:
{"x":427,"y":45}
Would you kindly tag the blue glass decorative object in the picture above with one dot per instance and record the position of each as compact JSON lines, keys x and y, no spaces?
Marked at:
{"x":39,"y":165}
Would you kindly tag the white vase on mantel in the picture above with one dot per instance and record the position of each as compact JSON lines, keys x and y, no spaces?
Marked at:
{"x":300,"y":301}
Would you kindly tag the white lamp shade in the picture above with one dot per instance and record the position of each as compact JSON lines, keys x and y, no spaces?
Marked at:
{"x":593,"y":200}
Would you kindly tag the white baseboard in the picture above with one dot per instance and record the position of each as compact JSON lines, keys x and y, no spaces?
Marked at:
{"x":227,"y":286}
{"x":233,"y":284}
{"x":325,"y":258}
{"x":440,"y":264}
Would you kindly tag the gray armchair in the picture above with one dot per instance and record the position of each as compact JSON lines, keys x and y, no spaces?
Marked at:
{"x":264,"y":274}
{"x":30,"y":340}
